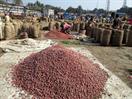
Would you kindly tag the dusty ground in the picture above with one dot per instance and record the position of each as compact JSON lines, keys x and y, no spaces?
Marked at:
{"x":116,"y":59}
{"x":1,"y":52}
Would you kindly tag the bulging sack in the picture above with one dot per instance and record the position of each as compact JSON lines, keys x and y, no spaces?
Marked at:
{"x":9,"y":31}
{"x":1,"y":31}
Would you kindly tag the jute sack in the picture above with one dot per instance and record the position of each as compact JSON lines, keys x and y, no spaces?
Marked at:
{"x":126,"y":26}
{"x":125,"y":37}
{"x":88,"y":29}
{"x":51,"y":26}
{"x":82,"y":26}
{"x":13,"y":31}
{"x":92,"y":32}
{"x":16,"y":26}
{"x":36,"y":28}
{"x":130,"y":28}
{"x":31,"y":31}
{"x":95,"y":32}
{"x":25,"y":27}
{"x":129,"y":43}
{"x":117,"y":37}
{"x":77,"y":27}
{"x":9,"y":31}
{"x":126,"y":31}
{"x":20,"y":23}
{"x":100,"y":25}
{"x":57,"y":26}
{"x":106,"y":37}
{"x":82,"y":32}
{"x":107,"y":26}
{"x":44,"y":25}
{"x":99,"y":35}
{"x":73,"y":27}
{"x":1,"y":32}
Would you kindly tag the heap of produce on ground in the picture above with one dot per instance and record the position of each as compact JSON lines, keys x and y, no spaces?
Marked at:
{"x":57,"y":35}
{"x":59,"y":73}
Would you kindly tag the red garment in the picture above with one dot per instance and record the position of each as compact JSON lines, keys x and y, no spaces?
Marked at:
{"x":66,"y":26}
{"x":130,"y":21}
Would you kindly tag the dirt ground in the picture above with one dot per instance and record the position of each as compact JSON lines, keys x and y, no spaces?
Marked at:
{"x":116,"y":59}
{"x":1,"y":52}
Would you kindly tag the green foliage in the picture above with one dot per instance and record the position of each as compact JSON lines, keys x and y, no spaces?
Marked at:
{"x":71,"y":10}
{"x":36,"y":6}
{"x":56,"y":9}
{"x":70,"y":42}
{"x":78,"y":10}
{"x":2,"y":1}
{"x":126,"y":10}
{"x":17,"y":2}
{"x":98,"y":11}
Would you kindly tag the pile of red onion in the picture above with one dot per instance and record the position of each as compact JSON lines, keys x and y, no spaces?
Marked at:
{"x":59,"y":73}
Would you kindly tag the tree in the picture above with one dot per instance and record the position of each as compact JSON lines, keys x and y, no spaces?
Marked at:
{"x":17,"y":2}
{"x":56,"y":9}
{"x":30,"y":5}
{"x":71,"y":10}
{"x":36,"y":6}
{"x":2,"y":1}
{"x":79,"y":10}
{"x":126,"y":10}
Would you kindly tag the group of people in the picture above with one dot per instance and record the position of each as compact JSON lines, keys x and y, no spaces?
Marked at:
{"x":114,"y":20}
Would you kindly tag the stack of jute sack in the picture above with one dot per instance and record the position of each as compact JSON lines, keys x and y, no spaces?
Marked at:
{"x":106,"y":35}
{"x":14,"y":28}
{"x":31,"y":28}
{"x":10,"y":29}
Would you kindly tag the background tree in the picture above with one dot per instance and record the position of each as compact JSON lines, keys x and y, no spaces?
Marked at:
{"x":79,"y":10}
{"x":56,"y":9}
{"x":36,"y":6}
{"x":127,"y":10}
{"x":17,"y":2}
{"x":71,"y":10}
{"x":2,"y":1}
